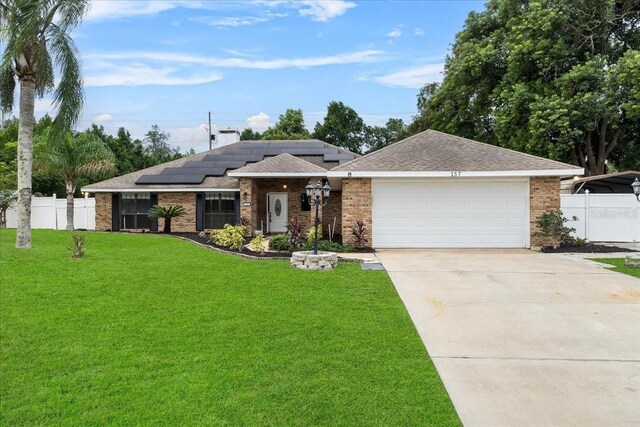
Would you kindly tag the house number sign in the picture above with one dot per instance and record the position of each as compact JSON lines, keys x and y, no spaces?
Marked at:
{"x":456,"y":174}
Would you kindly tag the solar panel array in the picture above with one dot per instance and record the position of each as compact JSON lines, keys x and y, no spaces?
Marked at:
{"x":237,"y":156}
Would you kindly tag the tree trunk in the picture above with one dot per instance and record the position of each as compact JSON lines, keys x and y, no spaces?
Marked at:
{"x":167,"y":225}
{"x":71,"y":189}
{"x":25,"y":160}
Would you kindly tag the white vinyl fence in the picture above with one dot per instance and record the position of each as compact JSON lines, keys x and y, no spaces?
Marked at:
{"x":50,"y":212}
{"x":603,"y":217}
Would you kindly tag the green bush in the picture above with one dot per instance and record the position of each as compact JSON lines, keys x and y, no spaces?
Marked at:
{"x":311,"y":234}
{"x":328,"y":246}
{"x":78,"y":243}
{"x":231,"y":236}
{"x":551,"y":227}
{"x":281,"y":242}
{"x":257,"y":244}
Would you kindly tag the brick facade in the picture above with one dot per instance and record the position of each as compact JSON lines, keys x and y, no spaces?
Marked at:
{"x":356,"y":204}
{"x":185,"y":223}
{"x":544,"y":196}
{"x":103,"y":211}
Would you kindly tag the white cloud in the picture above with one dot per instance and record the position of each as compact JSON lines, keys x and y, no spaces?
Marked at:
{"x":101,"y":118}
{"x":142,"y":74}
{"x":395,"y":33}
{"x":177,"y":58}
{"x":415,"y":77}
{"x":236,"y":21}
{"x":115,"y":9}
{"x":418,"y":32}
{"x":259,"y":122}
{"x":325,"y":10}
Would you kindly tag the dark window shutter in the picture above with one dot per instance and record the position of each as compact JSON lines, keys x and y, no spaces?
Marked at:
{"x":199,"y":212}
{"x":115,"y":212}
{"x":153,"y":222}
{"x":236,"y":207}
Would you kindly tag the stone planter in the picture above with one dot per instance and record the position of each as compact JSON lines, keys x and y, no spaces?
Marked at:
{"x":306,"y":260}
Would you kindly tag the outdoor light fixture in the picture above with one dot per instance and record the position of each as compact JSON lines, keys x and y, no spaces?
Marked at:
{"x":244,"y":196}
{"x":636,"y":188}
{"x":318,"y":195}
{"x":284,"y":186}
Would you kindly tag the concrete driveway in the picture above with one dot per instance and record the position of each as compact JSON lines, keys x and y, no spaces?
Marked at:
{"x":523,"y":338}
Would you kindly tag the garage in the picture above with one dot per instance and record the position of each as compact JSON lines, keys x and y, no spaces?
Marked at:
{"x":450,"y":213}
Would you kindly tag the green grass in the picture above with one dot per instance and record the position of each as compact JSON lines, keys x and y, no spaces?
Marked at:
{"x":620,"y":267}
{"x":153,"y":330}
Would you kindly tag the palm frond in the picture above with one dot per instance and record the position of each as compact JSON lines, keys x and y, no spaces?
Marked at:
{"x":7,"y":89}
{"x":68,"y":96}
{"x":170,"y":211}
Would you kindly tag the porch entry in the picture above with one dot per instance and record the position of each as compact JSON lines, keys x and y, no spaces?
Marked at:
{"x":277,"y":212}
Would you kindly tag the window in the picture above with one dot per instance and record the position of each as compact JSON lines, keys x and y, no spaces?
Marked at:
{"x":219,"y":209}
{"x":306,"y":206}
{"x":134,"y":208}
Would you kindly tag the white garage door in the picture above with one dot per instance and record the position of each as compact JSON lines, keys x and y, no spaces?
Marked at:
{"x":443,"y":213}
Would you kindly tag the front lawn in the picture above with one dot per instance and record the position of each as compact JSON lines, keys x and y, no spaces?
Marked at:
{"x":151,"y":330}
{"x":620,"y":267}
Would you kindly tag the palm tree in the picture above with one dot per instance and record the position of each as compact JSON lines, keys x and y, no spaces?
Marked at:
{"x":73,"y":158}
{"x":167,"y":213}
{"x":35,"y":37}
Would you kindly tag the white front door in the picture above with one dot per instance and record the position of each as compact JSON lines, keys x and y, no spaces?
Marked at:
{"x":277,"y":215}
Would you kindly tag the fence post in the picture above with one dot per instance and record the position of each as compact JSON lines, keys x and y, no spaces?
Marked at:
{"x":55,"y":210}
{"x":586,"y":215}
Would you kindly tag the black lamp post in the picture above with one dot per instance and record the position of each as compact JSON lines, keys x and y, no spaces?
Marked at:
{"x":636,"y":188}
{"x":317,"y":195}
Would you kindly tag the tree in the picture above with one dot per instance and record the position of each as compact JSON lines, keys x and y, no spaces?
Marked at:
{"x":7,"y":198}
{"x":290,"y":125}
{"x":157,"y":148}
{"x":342,"y":126}
{"x":250,"y":135}
{"x":35,"y":35}
{"x":555,"y":78}
{"x":377,"y":137}
{"x":73,"y":158}
{"x":166,"y":212}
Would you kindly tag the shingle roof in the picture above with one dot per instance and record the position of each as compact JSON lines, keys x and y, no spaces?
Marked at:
{"x":284,"y":164}
{"x":437,"y":151}
{"x":208,"y":170}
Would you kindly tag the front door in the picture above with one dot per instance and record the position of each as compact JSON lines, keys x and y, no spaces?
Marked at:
{"x":277,"y":214}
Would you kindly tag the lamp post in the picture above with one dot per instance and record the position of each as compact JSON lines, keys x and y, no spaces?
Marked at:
{"x":636,"y":188}
{"x":317,"y":195}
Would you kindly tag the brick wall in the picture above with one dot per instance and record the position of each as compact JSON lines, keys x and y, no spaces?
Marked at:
{"x":185,"y":223}
{"x":544,"y":195}
{"x":333,"y":209}
{"x":103,"y":211}
{"x":249,"y":191}
{"x":356,"y":204}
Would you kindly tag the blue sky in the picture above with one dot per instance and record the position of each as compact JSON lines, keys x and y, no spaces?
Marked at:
{"x":170,"y":62}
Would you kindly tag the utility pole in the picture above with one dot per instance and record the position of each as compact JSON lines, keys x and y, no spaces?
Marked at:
{"x":210,"y":136}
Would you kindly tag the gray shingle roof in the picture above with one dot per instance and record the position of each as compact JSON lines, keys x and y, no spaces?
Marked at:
{"x":437,"y":151}
{"x":283,"y":164}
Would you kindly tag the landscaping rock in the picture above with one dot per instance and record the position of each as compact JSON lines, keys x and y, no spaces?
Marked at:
{"x":306,"y":260}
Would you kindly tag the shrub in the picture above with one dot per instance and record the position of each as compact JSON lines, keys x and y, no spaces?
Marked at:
{"x":329,"y":246}
{"x":359,"y":232}
{"x":78,"y":244}
{"x":231,"y":236}
{"x":580,"y":241}
{"x":257,"y":244}
{"x":244,"y":221}
{"x":551,"y":227}
{"x":7,"y":198}
{"x":311,"y":234}
{"x":281,"y":242}
{"x":295,"y":232}
{"x":167,"y":213}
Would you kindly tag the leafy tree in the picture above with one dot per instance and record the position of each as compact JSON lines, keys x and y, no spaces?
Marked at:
{"x":73,"y":158}
{"x":556,"y":78}
{"x":7,"y":199}
{"x":377,"y":137}
{"x":250,"y":135}
{"x":342,"y":126}
{"x":290,"y":125}
{"x":35,"y":36}
{"x":157,"y":148}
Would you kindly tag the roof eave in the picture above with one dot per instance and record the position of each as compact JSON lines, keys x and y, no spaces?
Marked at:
{"x":157,"y":190}
{"x":276,"y":174}
{"x":454,"y":174}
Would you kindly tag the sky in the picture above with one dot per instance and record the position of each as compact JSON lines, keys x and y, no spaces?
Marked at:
{"x":171,"y":62}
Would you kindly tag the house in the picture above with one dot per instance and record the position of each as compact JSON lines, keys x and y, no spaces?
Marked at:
{"x":430,"y":190}
{"x":611,"y":183}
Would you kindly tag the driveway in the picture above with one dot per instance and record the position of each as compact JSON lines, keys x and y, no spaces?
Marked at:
{"x":523,"y":338}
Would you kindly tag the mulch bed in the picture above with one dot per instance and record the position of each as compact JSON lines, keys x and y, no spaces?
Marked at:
{"x":246,"y":251}
{"x":589,"y":248}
